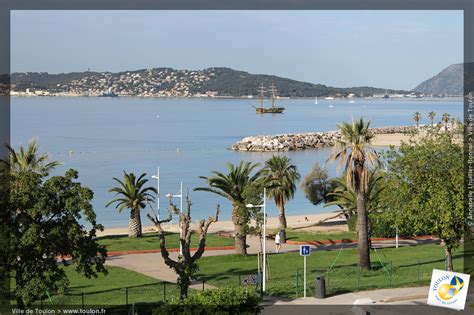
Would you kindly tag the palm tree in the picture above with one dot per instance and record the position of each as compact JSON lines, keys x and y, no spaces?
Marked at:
{"x":235,"y":186}
{"x":354,"y":154}
{"x":417,"y":118}
{"x":283,"y":175}
{"x":445,"y":119}
{"x":346,"y":199}
{"x":29,"y":159}
{"x":131,"y":194}
{"x":431,"y":116}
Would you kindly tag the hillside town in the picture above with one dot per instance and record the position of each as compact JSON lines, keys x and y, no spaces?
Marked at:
{"x":160,"y":82}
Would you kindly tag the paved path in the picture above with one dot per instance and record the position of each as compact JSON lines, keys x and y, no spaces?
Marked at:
{"x":401,"y":301}
{"x":385,"y":296}
{"x":154,"y":266}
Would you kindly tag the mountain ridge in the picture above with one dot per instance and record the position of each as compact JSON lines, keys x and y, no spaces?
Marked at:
{"x":165,"y":81}
{"x":448,"y":81}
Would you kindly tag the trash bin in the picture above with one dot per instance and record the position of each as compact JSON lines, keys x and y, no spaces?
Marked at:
{"x":320,"y":287}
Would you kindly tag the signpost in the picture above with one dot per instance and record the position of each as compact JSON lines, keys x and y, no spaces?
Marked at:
{"x":305,"y":250}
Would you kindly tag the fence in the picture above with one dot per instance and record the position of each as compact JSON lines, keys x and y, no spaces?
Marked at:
{"x":343,"y":278}
{"x":126,"y":296}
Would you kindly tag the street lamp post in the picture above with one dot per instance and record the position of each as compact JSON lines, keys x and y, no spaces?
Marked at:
{"x":264,"y":267}
{"x":157,"y":177}
{"x":180,"y":196}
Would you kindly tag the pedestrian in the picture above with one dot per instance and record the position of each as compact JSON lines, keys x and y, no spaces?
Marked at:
{"x":278,"y":241}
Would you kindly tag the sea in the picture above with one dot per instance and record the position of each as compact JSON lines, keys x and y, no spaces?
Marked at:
{"x":187,"y":138}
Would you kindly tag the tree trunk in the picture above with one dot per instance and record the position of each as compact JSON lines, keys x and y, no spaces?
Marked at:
{"x":362,"y":220}
{"x":282,"y":218}
{"x":449,"y":258}
{"x":183,"y":292}
{"x":184,"y":281}
{"x":135,"y":224}
{"x":240,"y":236}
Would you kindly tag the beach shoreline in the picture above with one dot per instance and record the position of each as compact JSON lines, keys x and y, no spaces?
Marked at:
{"x":293,"y":221}
{"x":394,"y":139}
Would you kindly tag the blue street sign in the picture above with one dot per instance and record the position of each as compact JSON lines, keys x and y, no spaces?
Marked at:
{"x":305,"y":250}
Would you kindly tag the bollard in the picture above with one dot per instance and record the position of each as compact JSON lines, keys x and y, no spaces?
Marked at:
{"x":240,"y":283}
{"x":320,"y":287}
{"x":203,"y":281}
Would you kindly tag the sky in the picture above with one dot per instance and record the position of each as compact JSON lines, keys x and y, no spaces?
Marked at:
{"x":388,"y":49}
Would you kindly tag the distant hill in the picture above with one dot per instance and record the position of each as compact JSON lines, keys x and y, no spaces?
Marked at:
{"x":448,"y":82}
{"x":232,"y":82}
{"x":180,"y":83}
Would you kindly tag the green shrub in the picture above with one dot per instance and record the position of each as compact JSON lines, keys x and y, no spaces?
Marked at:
{"x":227,"y":300}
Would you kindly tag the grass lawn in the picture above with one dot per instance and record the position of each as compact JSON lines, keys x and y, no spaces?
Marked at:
{"x":151,"y":241}
{"x":298,"y":235}
{"x":111,"y":289}
{"x":400,"y":268}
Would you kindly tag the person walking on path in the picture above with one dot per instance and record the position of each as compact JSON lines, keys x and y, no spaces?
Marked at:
{"x":278,"y":241}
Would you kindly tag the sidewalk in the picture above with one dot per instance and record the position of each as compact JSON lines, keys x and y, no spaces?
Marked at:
{"x":382,"y":296}
{"x":381,"y":302}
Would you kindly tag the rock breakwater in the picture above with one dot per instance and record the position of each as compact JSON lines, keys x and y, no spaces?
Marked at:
{"x":303,"y":141}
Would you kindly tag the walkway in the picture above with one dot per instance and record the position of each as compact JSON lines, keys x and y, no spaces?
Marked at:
{"x":153,"y":265}
{"x":401,"y":301}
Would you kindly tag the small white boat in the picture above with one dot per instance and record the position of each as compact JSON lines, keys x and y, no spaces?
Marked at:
{"x":352,"y":101}
{"x":329,"y":98}
{"x":331,"y":106}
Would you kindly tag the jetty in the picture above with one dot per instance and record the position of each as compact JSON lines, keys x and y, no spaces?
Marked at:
{"x":304,"y":141}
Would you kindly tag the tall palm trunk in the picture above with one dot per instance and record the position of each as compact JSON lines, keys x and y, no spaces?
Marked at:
{"x":362,"y":220}
{"x":135,"y":224}
{"x":282,"y":219}
{"x":239,"y":231}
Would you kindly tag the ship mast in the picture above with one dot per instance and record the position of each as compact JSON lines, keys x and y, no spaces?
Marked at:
{"x":272,"y":89}
{"x":261,"y":91}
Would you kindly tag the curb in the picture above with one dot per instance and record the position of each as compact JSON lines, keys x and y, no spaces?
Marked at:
{"x":404,"y":298}
{"x":348,"y":241}
{"x":171,"y":250}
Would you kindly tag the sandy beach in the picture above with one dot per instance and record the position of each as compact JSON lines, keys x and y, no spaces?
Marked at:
{"x":304,"y":221}
{"x":385,"y":140}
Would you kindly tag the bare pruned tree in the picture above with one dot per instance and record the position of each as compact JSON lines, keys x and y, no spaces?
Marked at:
{"x":185,"y":266}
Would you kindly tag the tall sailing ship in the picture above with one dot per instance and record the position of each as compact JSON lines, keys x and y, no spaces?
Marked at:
{"x":268,"y":110}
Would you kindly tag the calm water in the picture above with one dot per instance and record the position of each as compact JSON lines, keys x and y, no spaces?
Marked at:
{"x":108,"y":136}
